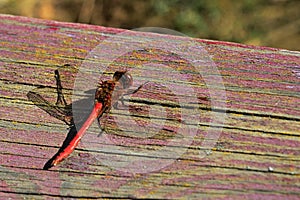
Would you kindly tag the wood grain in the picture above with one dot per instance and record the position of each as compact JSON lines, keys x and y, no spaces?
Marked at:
{"x":256,"y":156}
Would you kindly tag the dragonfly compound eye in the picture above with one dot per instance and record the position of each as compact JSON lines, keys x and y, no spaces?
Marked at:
{"x":124,"y":78}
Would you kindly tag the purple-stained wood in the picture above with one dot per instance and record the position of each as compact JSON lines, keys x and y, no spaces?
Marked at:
{"x":256,"y":156}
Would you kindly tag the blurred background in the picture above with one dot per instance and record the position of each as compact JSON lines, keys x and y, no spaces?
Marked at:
{"x":273,"y":23}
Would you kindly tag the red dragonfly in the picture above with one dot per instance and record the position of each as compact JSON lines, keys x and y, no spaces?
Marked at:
{"x":107,"y":95}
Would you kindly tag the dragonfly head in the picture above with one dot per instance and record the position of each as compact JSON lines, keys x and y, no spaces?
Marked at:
{"x":124,"y":78}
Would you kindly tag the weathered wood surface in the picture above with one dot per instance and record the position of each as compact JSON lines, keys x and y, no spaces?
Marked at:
{"x":257,"y":155}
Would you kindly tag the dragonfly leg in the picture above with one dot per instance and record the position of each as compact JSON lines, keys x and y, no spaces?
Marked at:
{"x":129,"y":92}
{"x":104,"y":117}
{"x":103,"y":127}
{"x":117,"y":105}
{"x":60,"y":97}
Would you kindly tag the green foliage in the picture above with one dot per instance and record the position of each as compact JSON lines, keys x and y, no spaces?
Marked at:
{"x":260,"y":22}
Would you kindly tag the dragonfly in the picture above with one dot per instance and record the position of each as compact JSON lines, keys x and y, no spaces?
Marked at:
{"x":107,"y":95}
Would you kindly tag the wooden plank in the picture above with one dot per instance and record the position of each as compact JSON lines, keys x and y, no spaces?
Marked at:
{"x":256,"y":155}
